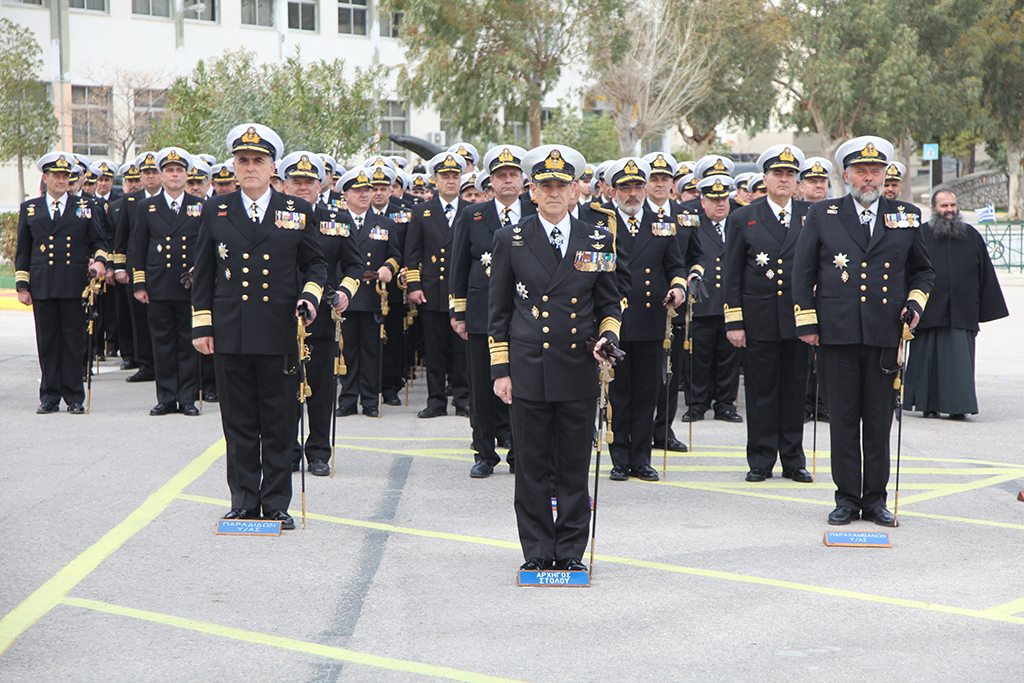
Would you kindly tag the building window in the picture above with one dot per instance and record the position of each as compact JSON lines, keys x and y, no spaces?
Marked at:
{"x":208,"y":14}
{"x":258,"y":12}
{"x":390,"y":23}
{"x":94,"y":5}
{"x":154,"y":8}
{"x":302,"y":15}
{"x":395,"y":120}
{"x":352,"y":17}
{"x":38,"y":3}
{"x":90,"y":118}
{"x":149,"y":105}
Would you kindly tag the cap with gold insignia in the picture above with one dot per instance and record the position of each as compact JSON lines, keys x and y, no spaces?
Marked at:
{"x":756,"y":182}
{"x":446,"y":161}
{"x":588,"y":172}
{"x":399,"y":161}
{"x":303,"y":164}
{"x":223,"y":173}
{"x":173,"y":155}
{"x":781,"y":156}
{"x":255,"y":137}
{"x":467,"y":181}
{"x":404,"y":178}
{"x":90,"y":176}
{"x":895,"y":171}
{"x":382,"y":175}
{"x":661,"y":163}
{"x":418,"y":181}
{"x":627,"y":169}
{"x":483,"y":181}
{"x":83,"y":162}
{"x":466,"y":151}
{"x":330,"y":165}
{"x":130,"y":171}
{"x":867,"y":149}
{"x":716,"y":186}
{"x":200,"y":170}
{"x":686,"y":183}
{"x":685,"y":167}
{"x":713,"y":165}
{"x":355,"y":179}
{"x":742,"y":178}
{"x":815,"y":167}
{"x":146,"y":161}
{"x":59,"y":162}
{"x":554,"y":162}
{"x":380,"y":161}
{"x":502,"y":156}
{"x":102,"y":167}
{"x":210,"y":160}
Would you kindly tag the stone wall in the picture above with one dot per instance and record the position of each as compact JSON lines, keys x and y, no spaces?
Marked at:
{"x":978,"y":190}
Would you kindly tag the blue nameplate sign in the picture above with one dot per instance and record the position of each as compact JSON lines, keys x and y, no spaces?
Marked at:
{"x":554,"y":577}
{"x":248,"y":527}
{"x":858,"y":539}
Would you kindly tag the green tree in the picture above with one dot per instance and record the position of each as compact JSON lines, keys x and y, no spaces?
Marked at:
{"x":592,"y":136}
{"x":475,"y":59}
{"x":320,"y":106}
{"x":28,"y":126}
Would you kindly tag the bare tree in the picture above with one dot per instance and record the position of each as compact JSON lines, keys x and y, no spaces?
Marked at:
{"x":664,"y":72}
{"x":137,"y":99}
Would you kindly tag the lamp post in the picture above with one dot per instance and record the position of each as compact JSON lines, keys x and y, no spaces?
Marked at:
{"x":180,"y":10}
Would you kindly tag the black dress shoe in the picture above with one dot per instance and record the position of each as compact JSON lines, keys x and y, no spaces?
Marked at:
{"x":822,"y":415}
{"x":570,"y":564}
{"x":163,"y":409}
{"x":189,"y":409}
{"x":371,"y":411}
{"x":481,"y":470}
{"x":842,"y":515}
{"x":392,"y":400}
{"x":76,"y":409}
{"x":47,"y":407}
{"x":728,"y":415}
{"x":296,"y":464}
{"x":461,"y":411}
{"x":437,"y":411}
{"x":644,"y":472}
{"x":319,"y":468}
{"x":879,"y":516}
{"x":799,"y":475}
{"x":345,"y":411}
{"x":619,"y":473}
{"x":930,"y":413}
{"x":957,"y":416}
{"x":281,"y":516}
{"x":808,"y":416}
{"x":128,"y":364}
{"x":758,"y":474}
{"x":674,"y":445}
{"x":505,"y":443}
{"x":239,"y":513}
{"x":535,"y":564}
{"x":692,"y":415}
{"x":210,"y":396}
{"x":141,"y":376}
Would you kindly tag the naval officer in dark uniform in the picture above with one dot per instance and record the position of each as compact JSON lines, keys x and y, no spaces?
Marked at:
{"x":552,"y":288}
{"x":258,"y":263}
{"x":866,"y":256}
{"x":759,"y":244}
{"x":61,"y":245}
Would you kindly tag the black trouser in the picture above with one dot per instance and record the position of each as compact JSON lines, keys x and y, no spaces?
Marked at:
{"x":670,"y":386}
{"x":490,"y":414}
{"x":207,"y":373}
{"x":143,"y":341}
{"x":258,"y":409}
{"x":394,"y":349}
{"x":775,"y":374}
{"x":361,"y":332}
{"x":554,"y":443}
{"x":861,"y":401}
{"x":633,"y":395}
{"x":176,"y":361}
{"x":61,"y":345}
{"x":125,"y":333}
{"x":716,"y":365}
{"x":108,"y":314}
{"x":444,"y":349}
{"x":320,"y":405}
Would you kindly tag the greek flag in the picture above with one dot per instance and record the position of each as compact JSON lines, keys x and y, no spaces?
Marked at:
{"x":986,"y":214}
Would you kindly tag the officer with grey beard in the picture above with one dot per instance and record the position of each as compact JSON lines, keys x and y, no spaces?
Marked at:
{"x":940,"y":371}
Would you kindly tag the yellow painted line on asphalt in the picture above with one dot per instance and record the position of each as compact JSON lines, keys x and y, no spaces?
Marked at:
{"x":661,"y":566}
{"x":293,"y":644}
{"x":1012,"y":607}
{"x":440,"y":453}
{"x":961,"y":488}
{"x":964,"y":520}
{"x":51,"y":593}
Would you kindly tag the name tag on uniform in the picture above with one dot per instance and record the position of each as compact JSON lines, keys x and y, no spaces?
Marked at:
{"x":334,"y":228}
{"x":595,"y":261}
{"x":902,"y":220}
{"x":378,"y":233}
{"x":290,"y":220}
{"x":686,"y":220}
{"x":194,"y":210}
{"x":663,"y":229}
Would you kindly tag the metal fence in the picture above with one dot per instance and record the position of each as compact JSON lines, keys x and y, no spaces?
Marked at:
{"x":1005,"y":243}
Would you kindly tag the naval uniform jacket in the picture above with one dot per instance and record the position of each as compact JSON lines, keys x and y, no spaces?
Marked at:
{"x":377,"y":244}
{"x":471,"y":262}
{"x":164,"y":246}
{"x":124,"y":230}
{"x":249,"y":277}
{"x":51,"y":259}
{"x":344,"y":270}
{"x":861,"y":286}
{"x":542,"y":311}
{"x":759,"y":253}
{"x":715,"y":276}
{"x":428,"y":252}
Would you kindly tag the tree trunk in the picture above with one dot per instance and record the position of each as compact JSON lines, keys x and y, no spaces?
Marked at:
{"x":1014,"y":168}
{"x":701,"y":141}
{"x":937,"y":171}
{"x":906,"y":150}
{"x":535,"y":117}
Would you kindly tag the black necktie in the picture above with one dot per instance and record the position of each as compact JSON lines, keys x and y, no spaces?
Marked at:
{"x":56,"y":210}
{"x":449,"y":211}
{"x":633,"y":229}
{"x":865,"y":220}
{"x":254,"y":212}
{"x":359,"y":223}
{"x":174,"y":206}
{"x":505,"y":220}
{"x":720,"y":231}
{"x":556,"y":242}
{"x":783,"y":218}
{"x":661,"y":213}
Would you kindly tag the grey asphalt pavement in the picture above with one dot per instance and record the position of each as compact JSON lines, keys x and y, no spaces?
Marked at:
{"x":406,"y":570}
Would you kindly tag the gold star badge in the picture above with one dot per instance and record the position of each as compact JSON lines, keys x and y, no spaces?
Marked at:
{"x":840,"y":260}
{"x":762,"y":259}
{"x":222,"y":251}
{"x":485,"y":258}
